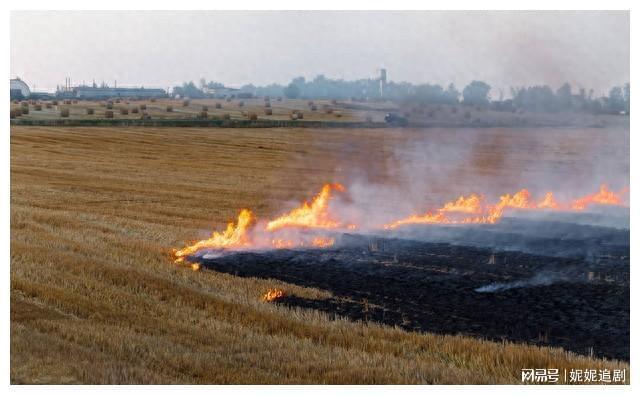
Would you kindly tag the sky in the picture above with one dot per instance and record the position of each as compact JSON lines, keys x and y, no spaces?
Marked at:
{"x":588,"y":49}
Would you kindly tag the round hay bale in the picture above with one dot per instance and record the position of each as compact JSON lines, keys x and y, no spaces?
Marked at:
{"x":169,"y":108}
{"x":24,"y":110}
{"x":185,"y":103}
{"x":89,"y":111}
{"x":38,"y":107}
{"x":203,"y":115}
{"x":64,"y":113}
{"x":49,"y":105}
{"x":314,"y":108}
{"x":135,"y":110}
{"x":124,"y":111}
{"x":143,"y":107}
{"x":144,"y":115}
{"x":205,"y":108}
{"x":109,"y":105}
{"x":300,"y":114}
{"x":218,"y":105}
{"x":108,"y":114}
{"x":252,"y":116}
{"x":118,"y":100}
{"x":55,"y":102}
{"x":75,"y":102}
{"x":329,"y":110}
{"x":66,"y":102}
{"x":268,"y":111}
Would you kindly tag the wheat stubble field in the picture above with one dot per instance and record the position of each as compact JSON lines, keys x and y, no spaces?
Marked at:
{"x":95,"y":299}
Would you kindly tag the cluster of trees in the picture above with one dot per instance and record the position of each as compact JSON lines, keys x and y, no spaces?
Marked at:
{"x":544,"y":99}
{"x":477,"y":93}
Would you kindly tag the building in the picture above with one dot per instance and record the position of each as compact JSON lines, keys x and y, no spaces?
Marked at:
{"x":94,"y":92}
{"x":18,"y":89}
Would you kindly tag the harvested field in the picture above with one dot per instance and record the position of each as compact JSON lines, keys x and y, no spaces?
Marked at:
{"x":95,"y":211}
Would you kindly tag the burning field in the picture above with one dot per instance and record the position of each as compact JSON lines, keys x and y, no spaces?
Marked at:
{"x":571,"y":289}
{"x":165,"y":255}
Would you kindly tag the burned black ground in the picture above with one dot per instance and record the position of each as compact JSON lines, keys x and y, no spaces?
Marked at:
{"x":580,"y":303}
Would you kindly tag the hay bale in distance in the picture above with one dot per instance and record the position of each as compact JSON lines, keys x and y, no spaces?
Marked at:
{"x":64,"y":113}
{"x":241,"y":104}
{"x":38,"y":107}
{"x":143,"y":107}
{"x":169,"y":108}
{"x":48,"y":105}
{"x":268,"y":111}
{"x":203,"y":115}
{"x":24,"y":110}
{"x":89,"y":111}
{"x":267,"y":104}
{"x":185,"y":103}
{"x":135,"y":110}
{"x":124,"y":111}
{"x":109,"y":105}
{"x":226,"y":116}
{"x":108,"y":114}
{"x":218,"y":105}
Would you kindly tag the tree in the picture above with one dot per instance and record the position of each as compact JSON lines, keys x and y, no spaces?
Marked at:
{"x":563,"y":96}
{"x":627,"y":96}
{"x":616,"y":100}
{"x":291,"y":91}
{"x":476,"y":93}
{"x":452,"y":95}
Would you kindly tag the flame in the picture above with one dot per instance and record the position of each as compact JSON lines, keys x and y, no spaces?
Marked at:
{"x":299,"y":228}
{"x":323,"y":242}
{"x":310,"y":215}
{"x":603,"y":196}
{"x":428,"y":218}
{"x":234,"y":236}
{"x":273,"y":295}
{"x":549,"y":202}
{"x":471,"y":205}
{"x":491,"y":214}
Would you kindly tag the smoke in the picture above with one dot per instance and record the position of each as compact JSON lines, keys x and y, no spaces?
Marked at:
{"x":539,"y":280}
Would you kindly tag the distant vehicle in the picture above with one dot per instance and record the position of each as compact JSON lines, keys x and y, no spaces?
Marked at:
{"x":395,"y":119}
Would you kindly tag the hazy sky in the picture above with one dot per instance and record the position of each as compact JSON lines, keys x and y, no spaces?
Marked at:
{"x":162,"y":49}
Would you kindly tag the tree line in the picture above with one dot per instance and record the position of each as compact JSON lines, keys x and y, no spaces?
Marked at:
{"x":538,"y":98}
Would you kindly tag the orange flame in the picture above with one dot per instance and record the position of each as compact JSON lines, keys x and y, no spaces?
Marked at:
{"x":323,"y":242}
{"x":234,"y":236}
{"x":549,"y":202}
{"x":310,"y":215}
{"x":493,"y":213}
{"x":603,"y":196}
{"x":471,"y":205}
{"x":273,"y":295}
